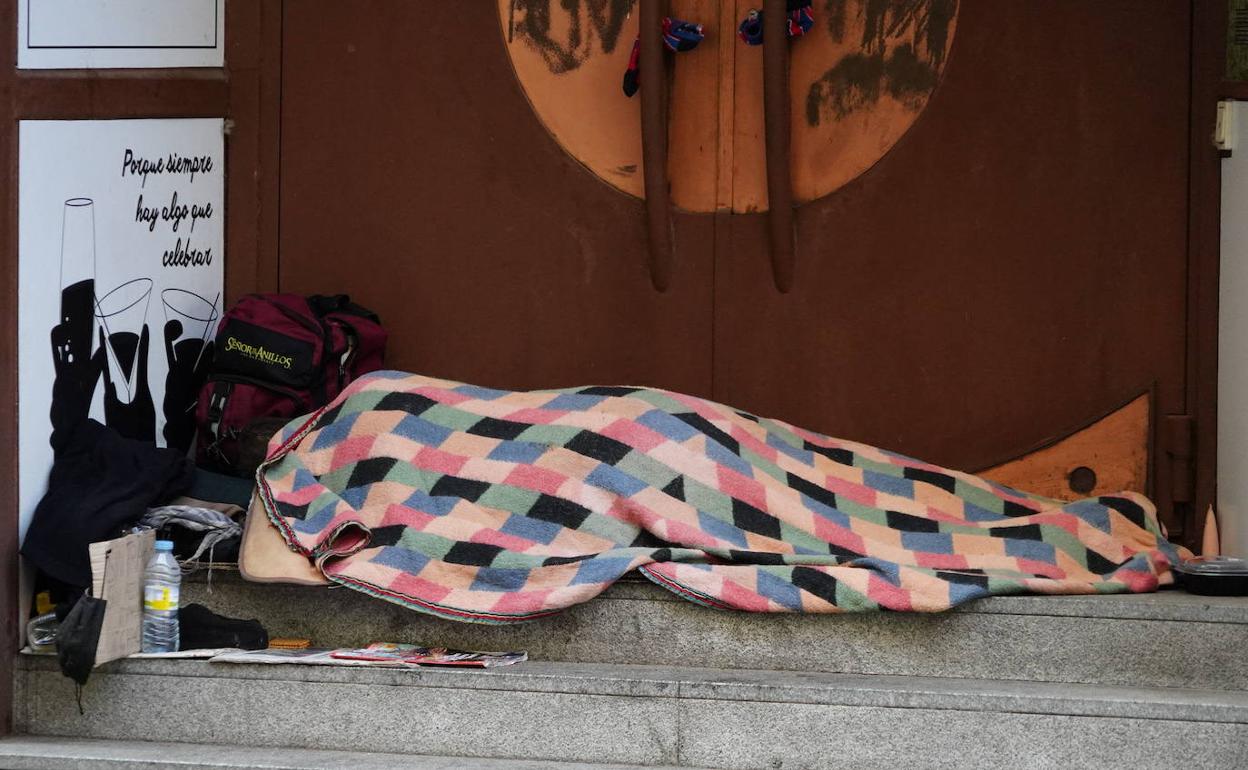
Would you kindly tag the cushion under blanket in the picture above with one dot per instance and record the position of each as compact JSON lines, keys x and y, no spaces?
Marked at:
{"x":499,"y":506}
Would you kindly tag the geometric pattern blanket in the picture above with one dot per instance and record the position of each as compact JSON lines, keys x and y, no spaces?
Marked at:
{"x":497,"y":506}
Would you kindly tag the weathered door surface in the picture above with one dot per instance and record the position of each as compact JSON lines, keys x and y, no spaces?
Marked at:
{"x":990,"y":225}
{"x":1013,"y":269}
{"x":416,"y":177}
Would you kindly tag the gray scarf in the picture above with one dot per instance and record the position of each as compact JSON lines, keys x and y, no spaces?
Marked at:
{"x":215,"y":525}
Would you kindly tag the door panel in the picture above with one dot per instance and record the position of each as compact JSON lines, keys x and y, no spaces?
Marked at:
{"x":416,"y":177}
{"x":1103,"y":458}
{"x":1015,"y":265}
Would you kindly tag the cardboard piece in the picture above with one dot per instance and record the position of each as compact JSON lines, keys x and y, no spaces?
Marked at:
{"x":117,"y":577}
{"x":264,"y":556}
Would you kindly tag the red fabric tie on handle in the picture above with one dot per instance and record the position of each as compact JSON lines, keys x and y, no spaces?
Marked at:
{"x":677,"y":36}
{"x":801,"y":20}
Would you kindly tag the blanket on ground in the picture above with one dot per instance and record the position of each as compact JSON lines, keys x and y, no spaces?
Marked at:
{"x":497,"y":506}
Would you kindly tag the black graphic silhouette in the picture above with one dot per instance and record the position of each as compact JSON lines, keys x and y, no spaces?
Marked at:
{"x":188,"y":348}
{"x":919,"y":31}
{"x":77,"y":369}
{"x":120,"y":352}
{"x":584,"y":22}
{"x":135,"y":418}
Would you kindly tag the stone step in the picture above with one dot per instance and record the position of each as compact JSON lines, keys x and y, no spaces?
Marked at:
{"x":28,"y":752}
{"x":1168,"y":639}
{"x":647,"y":715}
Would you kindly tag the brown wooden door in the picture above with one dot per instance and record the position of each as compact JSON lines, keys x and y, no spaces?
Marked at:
{"x":1013,"y":269}
{"x":416,"y":177}
{"x":994,"y":259}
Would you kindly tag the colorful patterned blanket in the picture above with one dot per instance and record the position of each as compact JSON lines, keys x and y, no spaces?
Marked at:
{"x":497,"y":506}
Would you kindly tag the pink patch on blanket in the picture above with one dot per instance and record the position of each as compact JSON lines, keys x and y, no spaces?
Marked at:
{"x":419,"y":588}
{"x":760,"y":448}
{"x":402,"y":514}
{"x":431,"y":459}
{"x":353,"y":450}
{"x":680,"y":534}
{"x":634,"y":434}
{"x":695,"y":404}
{"x":302,"y":496}
{"x":521,"y":602}
{"x":937,"y":514}
{"x":831,"y":533}
{"x":886,"y":594}
{"x":747,"y":433}
{"x":536,"y":479}
{"x":442,"y":395}
{"x":940,"y":560}
{"x":633,"y":511}
{"x":743,"y":599}
{"x":854,"y":492}
{"x":535,"y":416}
{"x":741,"y":487}
{"x":1135,"y":580}
{"x":503,"y":540}
{"x":1041,"y":568}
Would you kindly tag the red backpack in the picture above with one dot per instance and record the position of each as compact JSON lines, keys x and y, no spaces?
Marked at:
{"x":280,"y":356}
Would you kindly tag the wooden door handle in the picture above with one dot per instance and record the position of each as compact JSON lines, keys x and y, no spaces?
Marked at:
{"x":776,"y":106}
{"x":653,"y":83}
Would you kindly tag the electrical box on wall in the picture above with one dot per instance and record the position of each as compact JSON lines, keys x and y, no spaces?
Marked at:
{"x":1224,"y":131}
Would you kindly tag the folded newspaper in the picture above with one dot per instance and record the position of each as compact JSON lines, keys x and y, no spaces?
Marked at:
{"x":411,"y":654}
{"x":378,"y":654}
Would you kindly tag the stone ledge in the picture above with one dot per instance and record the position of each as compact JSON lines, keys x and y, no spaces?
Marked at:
{"x":27,"y":752}
{"x":622,"y":680}
{"x":1167,"y":605}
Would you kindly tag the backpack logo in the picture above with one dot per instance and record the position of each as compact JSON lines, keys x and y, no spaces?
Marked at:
{"x":259,"y":353}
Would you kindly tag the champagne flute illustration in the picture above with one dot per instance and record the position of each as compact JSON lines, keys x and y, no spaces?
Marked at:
{"x":77,"y":260}
{"x":73,"y":338}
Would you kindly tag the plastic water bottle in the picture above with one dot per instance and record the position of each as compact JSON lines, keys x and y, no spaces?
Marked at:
{"x":162,"y":583}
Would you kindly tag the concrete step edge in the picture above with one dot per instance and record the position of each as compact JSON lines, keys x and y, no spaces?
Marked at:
{"x":1137,"y":640}
{"x":26,"y":752}
{"x":757,"y":686}
{"x":1170,"y":605}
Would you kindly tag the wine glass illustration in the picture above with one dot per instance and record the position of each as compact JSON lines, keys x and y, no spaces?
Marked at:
{"x":122,"y":314}
{"x":196,"y":318}
{"x":190,"y":325}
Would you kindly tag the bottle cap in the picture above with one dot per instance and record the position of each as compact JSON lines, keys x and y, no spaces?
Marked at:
{"x":164,"y":545}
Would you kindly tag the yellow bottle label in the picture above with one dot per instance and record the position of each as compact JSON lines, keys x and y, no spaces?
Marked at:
{"x":160,"y":598}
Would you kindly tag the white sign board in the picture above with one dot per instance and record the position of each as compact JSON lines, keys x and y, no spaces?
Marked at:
{"x":82,"y":34}
{"x":120,"y":271}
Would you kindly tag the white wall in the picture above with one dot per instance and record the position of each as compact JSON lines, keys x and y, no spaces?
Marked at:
{"x":1233,"y":346}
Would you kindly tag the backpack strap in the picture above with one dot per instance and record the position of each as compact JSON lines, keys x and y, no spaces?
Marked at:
{"x":322,"y":305}
{"x":216,"y":410}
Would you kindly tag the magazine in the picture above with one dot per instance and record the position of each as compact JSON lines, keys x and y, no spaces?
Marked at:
{"x":413,"y":655}
{"x":307,"y":657}
{"x":378,"y":654}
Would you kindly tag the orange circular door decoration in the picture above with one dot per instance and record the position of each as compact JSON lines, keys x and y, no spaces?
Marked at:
{"x":858,"y":80}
